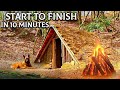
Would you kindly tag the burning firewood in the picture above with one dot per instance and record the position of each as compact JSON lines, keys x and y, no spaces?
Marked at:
{"x":99,"y":65}
{"x":24,"y":64}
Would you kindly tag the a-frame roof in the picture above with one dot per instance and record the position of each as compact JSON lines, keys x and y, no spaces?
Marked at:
{"x":76,"y":41}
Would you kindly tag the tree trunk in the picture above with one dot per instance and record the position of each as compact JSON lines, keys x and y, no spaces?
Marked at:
{"x":92,"y":14}
{"x":79,"y":18}
{"x":98,"y":13}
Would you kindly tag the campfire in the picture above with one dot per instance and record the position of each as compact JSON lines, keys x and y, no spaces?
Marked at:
{"x":99,"y":64}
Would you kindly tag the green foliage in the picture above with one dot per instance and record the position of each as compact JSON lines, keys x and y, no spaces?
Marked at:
{"x":107,"y":22}
{"x":92,"y":26}
{"x":1,"y":15}
{"x":16,"y":75}
{"x":98,"y":24}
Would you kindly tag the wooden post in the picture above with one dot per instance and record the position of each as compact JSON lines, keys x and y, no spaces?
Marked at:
{"x":66,"y":56}
{"x":53,"y":54}
{"x":63,"y":54}
{"x":69,"y":57}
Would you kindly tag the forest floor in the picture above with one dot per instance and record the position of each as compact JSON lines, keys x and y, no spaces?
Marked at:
{"x":12,"y":49}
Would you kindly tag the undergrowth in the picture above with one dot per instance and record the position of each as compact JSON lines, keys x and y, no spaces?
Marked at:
{"x":100,"y":24}
{"x":16,"y":75}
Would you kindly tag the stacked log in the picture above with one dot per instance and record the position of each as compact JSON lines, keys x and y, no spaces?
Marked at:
{"x":99,"y":65}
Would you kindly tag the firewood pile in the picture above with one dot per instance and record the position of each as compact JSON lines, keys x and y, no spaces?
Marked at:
{"x":99,"y":65}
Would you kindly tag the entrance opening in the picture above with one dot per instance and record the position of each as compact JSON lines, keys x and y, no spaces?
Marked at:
{"x":58,"y":53}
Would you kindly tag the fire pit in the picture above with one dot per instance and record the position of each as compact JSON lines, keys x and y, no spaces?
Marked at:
{"x":99,"y":64}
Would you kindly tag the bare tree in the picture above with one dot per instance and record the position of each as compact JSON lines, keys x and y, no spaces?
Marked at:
{"x":79,"y":19}
{"x":92,"y":14}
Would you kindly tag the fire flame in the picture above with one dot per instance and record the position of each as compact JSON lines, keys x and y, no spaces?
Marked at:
{"x":96,"y":50}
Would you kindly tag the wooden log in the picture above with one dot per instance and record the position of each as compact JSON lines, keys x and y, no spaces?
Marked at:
{"x":98,"y":66}
{"x":107,"y":61}
{"x":63,"y":54}
{"x":66,"y":55}
{"x":95,"y":71}
{"x":102,"y":66}
{"x":86,"y":69}
{"x":53,"y":54}
{"x":89,"y":69}
{"x":92,"y":69}
{"x":109,"y":64}
{"x":107,"y":69}
{"x":69,"y":57}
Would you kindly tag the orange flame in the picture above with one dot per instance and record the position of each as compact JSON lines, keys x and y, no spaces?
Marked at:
{"x":96,"y":50}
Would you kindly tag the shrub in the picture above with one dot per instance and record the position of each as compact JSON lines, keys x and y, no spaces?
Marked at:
{"x":98,"y":24}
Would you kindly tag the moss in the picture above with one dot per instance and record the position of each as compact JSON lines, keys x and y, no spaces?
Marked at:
{"x":16,"y":75}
